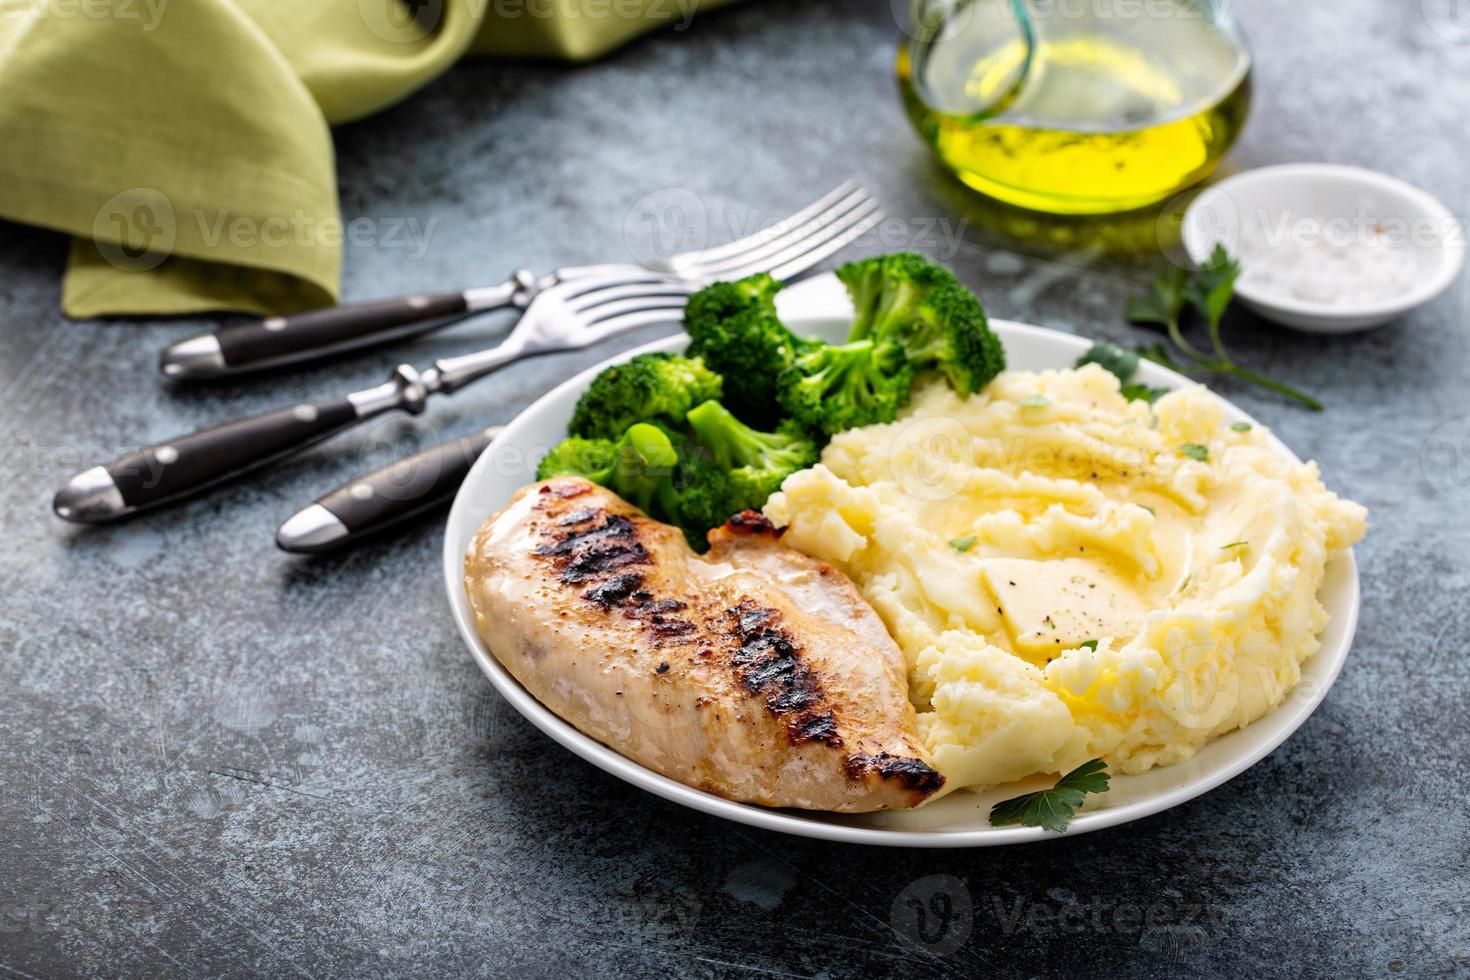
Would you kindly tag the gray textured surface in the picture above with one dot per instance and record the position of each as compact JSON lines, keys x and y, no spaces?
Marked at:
{"x":216,"y":759}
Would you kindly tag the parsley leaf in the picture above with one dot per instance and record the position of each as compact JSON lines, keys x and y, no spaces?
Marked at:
{"x":1164,"y":300}
{"x":1195,"y":451}
{"x":1241,"y":426}
{"x":1123,"y":363}
{"x":1053,"y":809}
{"x":963,"y":544}
{"x":1089,"y":644}
{"x":1208,"y":291}
{"x":1142,"y":393}
{"x":1234,"y":544}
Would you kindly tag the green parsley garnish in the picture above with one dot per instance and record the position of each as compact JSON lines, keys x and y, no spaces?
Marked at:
{"x":1241,"y":426}
{"x":1053,"y":809}
{"x":1088,"y":644}
{"x":1035,"y":401}
{"x":1234,"y":544}
{"x":963,"y":544}
{"x":1195,"y":451}
{"x":1208,"y":290}
{"x":1124,"y":365}
{"x":1135,"y":392}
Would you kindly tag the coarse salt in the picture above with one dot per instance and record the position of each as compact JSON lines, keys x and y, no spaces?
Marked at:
{"x":1369,"y":268}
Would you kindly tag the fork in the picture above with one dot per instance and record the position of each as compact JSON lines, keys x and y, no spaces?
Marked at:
{"x":792,"y":245}
{"x":566,"y":316}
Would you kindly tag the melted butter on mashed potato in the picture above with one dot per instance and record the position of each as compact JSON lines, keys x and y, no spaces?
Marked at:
{"x":999,"y":536}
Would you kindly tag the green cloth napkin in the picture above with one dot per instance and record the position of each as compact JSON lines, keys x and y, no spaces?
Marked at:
{"x":186,"y":143}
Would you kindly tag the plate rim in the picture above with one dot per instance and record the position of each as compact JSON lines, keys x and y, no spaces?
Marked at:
{"x":793,"y":822}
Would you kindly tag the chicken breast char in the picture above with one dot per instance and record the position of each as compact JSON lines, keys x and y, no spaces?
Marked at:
{"x":753,"y":672}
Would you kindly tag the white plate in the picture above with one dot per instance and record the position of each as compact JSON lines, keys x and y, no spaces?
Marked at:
{"x":818,"y":307}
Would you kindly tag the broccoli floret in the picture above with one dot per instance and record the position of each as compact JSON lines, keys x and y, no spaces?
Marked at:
{"x":704,"y":500}
{"x":831,"y":388}
{"x":747,"y":465}
{"x":734,"y":445}
{"x":590,"y":458}
{"x":723,"y":300}
{"x":659,"y":387}
{"x":940,"y":324}
{"x":885,"y":288}
{"x":733,"y":326}
{"x":640,"y":467}
{"x":643,"y":472}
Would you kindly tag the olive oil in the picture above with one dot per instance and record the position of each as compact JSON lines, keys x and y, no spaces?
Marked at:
{"x":1078,"y":115}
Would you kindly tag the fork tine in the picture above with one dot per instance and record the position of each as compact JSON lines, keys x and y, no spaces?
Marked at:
{"x":810,"y":250}
{"x":572,"y":289}
{"x":616,"y":308}
{"x":586,"y":301}
{"x":802,"y":263}
{"x":777,"y":241}
{"x":632,"y":321}
{"x":703,"y":256}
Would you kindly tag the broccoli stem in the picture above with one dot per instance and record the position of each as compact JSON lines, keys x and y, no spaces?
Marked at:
{"x":644,"y":465}
{"x":731,"y":442}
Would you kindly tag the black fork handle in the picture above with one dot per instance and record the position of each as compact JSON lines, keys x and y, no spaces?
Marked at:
{"x":385,"y":497}
{"x":280,"y":340}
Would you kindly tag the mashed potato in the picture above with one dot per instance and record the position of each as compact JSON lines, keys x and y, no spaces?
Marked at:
{"x":1071,"y":574}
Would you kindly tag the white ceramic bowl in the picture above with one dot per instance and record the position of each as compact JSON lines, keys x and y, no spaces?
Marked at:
{"x":1313,"y":201}
{"x":819,"y":307}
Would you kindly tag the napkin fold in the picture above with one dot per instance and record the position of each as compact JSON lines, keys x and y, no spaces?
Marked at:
{"x":186,"y":144}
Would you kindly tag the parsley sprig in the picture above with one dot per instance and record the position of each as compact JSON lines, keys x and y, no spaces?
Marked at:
{"x":1053,"y":809}
{"x":1124,"y":365}
{"x":1208,"y":291}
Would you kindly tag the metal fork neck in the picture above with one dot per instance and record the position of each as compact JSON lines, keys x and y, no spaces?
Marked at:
{"x":517,"y":292}
{"x":452,"y":373}
{"x":405,"y":389}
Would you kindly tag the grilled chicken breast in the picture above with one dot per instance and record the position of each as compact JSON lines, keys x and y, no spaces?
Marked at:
{"x":754,"y":672}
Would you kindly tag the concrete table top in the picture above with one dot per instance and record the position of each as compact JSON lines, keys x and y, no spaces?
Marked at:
{"x":218,"y":759}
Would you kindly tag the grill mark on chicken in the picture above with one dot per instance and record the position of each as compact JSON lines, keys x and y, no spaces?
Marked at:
{"x":583,"y":550}
{"x":665,"y":628}
{"x":753,"y":522}
{"x":615,"y":591}
{"x":768,"y":664}
{"x":565,"y":488}
{"x":913,"y":773}
{"x":626,"y":592}
{"x":649,"y":606}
